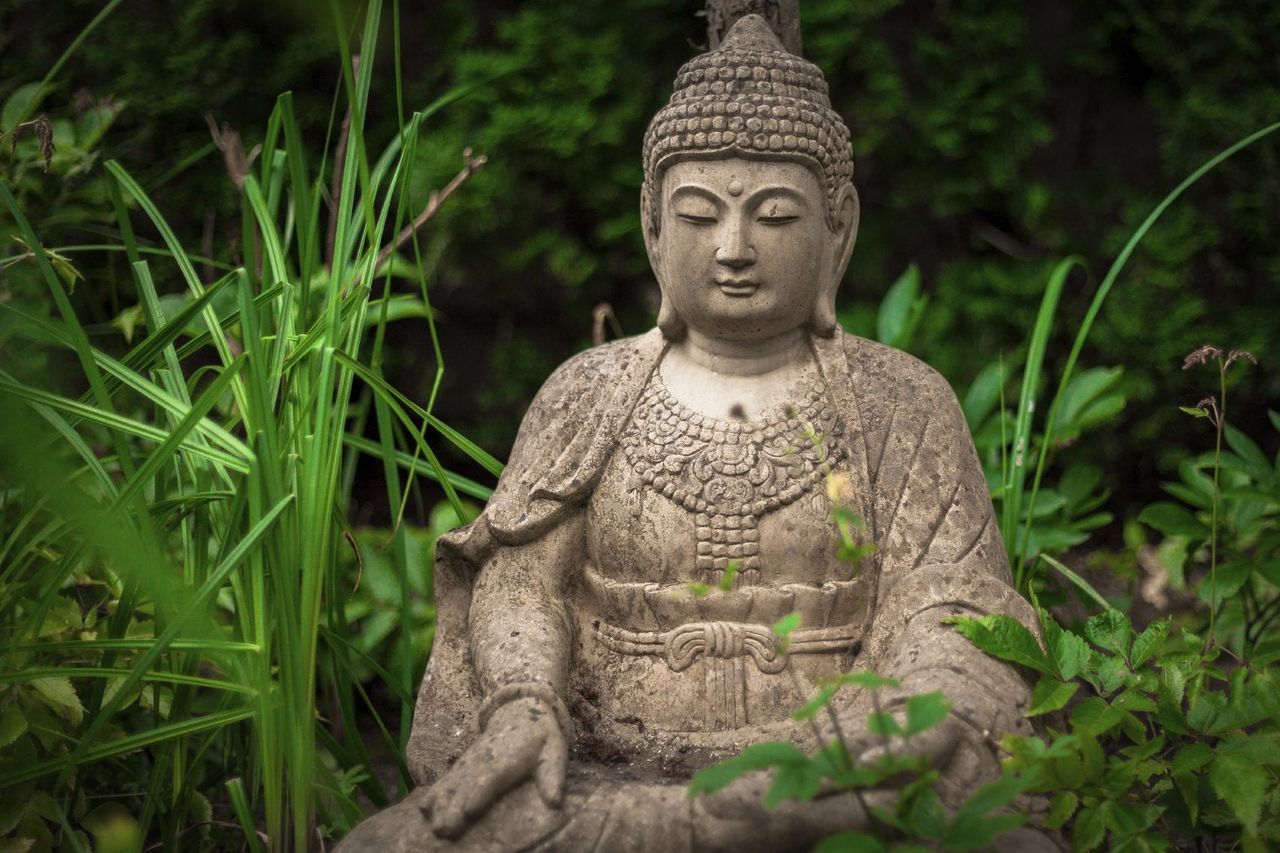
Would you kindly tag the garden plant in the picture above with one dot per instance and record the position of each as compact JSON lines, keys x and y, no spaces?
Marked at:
{"x":199,"y":649}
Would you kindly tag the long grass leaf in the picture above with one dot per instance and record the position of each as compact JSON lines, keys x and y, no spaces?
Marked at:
{"x":197,"y":600}
{"x":124,"y":745}
{"x":422,"y":469}
{"x":1113,"y":274}
{"x":33,"y":673}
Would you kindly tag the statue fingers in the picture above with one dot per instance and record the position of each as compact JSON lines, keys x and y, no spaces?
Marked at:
{"x":492,"y":766}
{"x":444,"y":809}
{"x":743,"y":792}
{"x":553,"y":767}
{"x":935,"y":745}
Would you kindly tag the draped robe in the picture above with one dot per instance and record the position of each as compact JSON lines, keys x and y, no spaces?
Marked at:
{"x":917,"y":484}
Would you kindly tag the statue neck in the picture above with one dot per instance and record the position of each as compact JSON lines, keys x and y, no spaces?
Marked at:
{"x":744,"y":358}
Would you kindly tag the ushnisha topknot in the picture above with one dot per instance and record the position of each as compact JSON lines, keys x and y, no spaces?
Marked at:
{"x":749,"y":97}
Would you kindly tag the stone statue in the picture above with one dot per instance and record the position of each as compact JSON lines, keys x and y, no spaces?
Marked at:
{"x":576,"y":680}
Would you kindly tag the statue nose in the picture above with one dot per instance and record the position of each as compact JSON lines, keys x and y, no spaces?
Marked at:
{"x":736,"y":253}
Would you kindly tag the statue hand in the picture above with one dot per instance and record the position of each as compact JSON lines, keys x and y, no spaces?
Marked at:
{"x":935,"y":744}
{"x":523,"y":739}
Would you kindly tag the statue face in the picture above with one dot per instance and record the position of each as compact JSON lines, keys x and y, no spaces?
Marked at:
{"x":744,"y":251}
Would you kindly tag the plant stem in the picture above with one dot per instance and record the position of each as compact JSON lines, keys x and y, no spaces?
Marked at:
{"x":1213,"y":521}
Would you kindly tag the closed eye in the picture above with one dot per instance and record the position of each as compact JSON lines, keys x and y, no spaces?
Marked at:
{"x":694,"y":219}
{"x":778,"y":220}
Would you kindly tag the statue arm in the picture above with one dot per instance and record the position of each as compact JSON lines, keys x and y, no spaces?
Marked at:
{"x":940,"y":555}
{"x":520,"y":631}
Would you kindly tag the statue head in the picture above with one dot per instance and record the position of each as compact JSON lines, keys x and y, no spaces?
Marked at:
{"x":749,"y":209}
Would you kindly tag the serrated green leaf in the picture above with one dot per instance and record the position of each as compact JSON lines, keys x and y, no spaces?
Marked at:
{"x":1136,"y":701}
{"x":1050,"y":694}
{"x":794,"y":781}
{"x":1188,"y":785}
{"x":974,"y":827}
{"x":1171,"y":687}
{"x":60,"y":695}
{"x":1251,"y":456}
{"x":1071,"y":655}
{"x":1095,"y":716}
{"x":1192,"y":757}
{"x":1061,"y":808}
{"x":926,"y":711}
{"x":1109,"y":630}
{"x":1089,"y":829}
{"x":1111,"y":674}
{"x":1260,"y":748}
{"x":1148,"y":642}
{"x":884,"y":724}
{"x":1005,"y":638}
{"x":851,"y":842}
{"x":1093,"y":761}
{"x":62,"y":616}
{"x":755,"y":757}
{"x":816,"y":704}
{"x":1235,"y":778}
{"x":1205,"y":709}
{"x":1225,"y":581}
{"x":1126,"y":819}
{"x":12,"y":724}
{"x":784,"y":626}
{"x":1068,"y":652}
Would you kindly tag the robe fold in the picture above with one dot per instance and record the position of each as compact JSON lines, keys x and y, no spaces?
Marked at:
{"x":917,"y":485}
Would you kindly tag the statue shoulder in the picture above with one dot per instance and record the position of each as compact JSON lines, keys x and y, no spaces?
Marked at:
{"x":594,"y":370}
{"x":884,"y":374}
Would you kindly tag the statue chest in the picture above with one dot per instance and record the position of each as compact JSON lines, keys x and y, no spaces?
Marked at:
{"x":687,"y":498}
{"x":741,"y":508}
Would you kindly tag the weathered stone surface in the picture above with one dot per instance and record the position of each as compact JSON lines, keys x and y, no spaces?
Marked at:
{"x":577,"y":681}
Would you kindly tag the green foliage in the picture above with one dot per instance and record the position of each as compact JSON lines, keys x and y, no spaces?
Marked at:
{"x":180,"y":633}
{"x":1158,"y":752}
{"x":915,"y":817}
{"x":1176,"y":738}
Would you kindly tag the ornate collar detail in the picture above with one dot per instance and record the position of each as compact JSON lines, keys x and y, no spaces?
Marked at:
{"x":730,"y":473}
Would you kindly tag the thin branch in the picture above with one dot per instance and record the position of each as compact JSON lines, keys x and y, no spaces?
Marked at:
{"x":227,"y":140}
{"x":602,"y":313}
{"x":437,"y":199}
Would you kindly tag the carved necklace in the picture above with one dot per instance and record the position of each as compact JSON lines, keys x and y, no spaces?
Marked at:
{"x":731,"y":473}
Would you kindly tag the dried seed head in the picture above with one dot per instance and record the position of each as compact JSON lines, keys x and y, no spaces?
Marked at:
{"x":44,"y":138}
{"x":1201,"y":355}
{"x":1240,"y":355}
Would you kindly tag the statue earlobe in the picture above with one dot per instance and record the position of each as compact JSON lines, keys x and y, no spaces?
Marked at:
{"x":823,"y":320}
{"x":669,"y":320}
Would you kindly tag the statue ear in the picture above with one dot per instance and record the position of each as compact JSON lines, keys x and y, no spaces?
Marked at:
{"x":669,"y":320}
{"x":845,"y":234}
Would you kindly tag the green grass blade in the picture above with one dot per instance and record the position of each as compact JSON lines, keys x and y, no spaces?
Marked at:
{"x":1113,"y":274}
{"x":1081,"y":584}
{"x":197,"y":600}
{"x":33,"y":673}
{"x":121,"y":746}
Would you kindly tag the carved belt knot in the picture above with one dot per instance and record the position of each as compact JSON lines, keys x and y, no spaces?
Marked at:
{"x":682,"y":646}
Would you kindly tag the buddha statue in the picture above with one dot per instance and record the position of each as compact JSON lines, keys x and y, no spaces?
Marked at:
{"x":579,"y":674}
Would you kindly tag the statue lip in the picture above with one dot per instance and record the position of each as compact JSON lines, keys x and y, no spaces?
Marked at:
{"x":737,"y":287}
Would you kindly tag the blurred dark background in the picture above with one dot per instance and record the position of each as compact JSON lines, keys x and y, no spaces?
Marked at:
{"x":991,"y":140}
